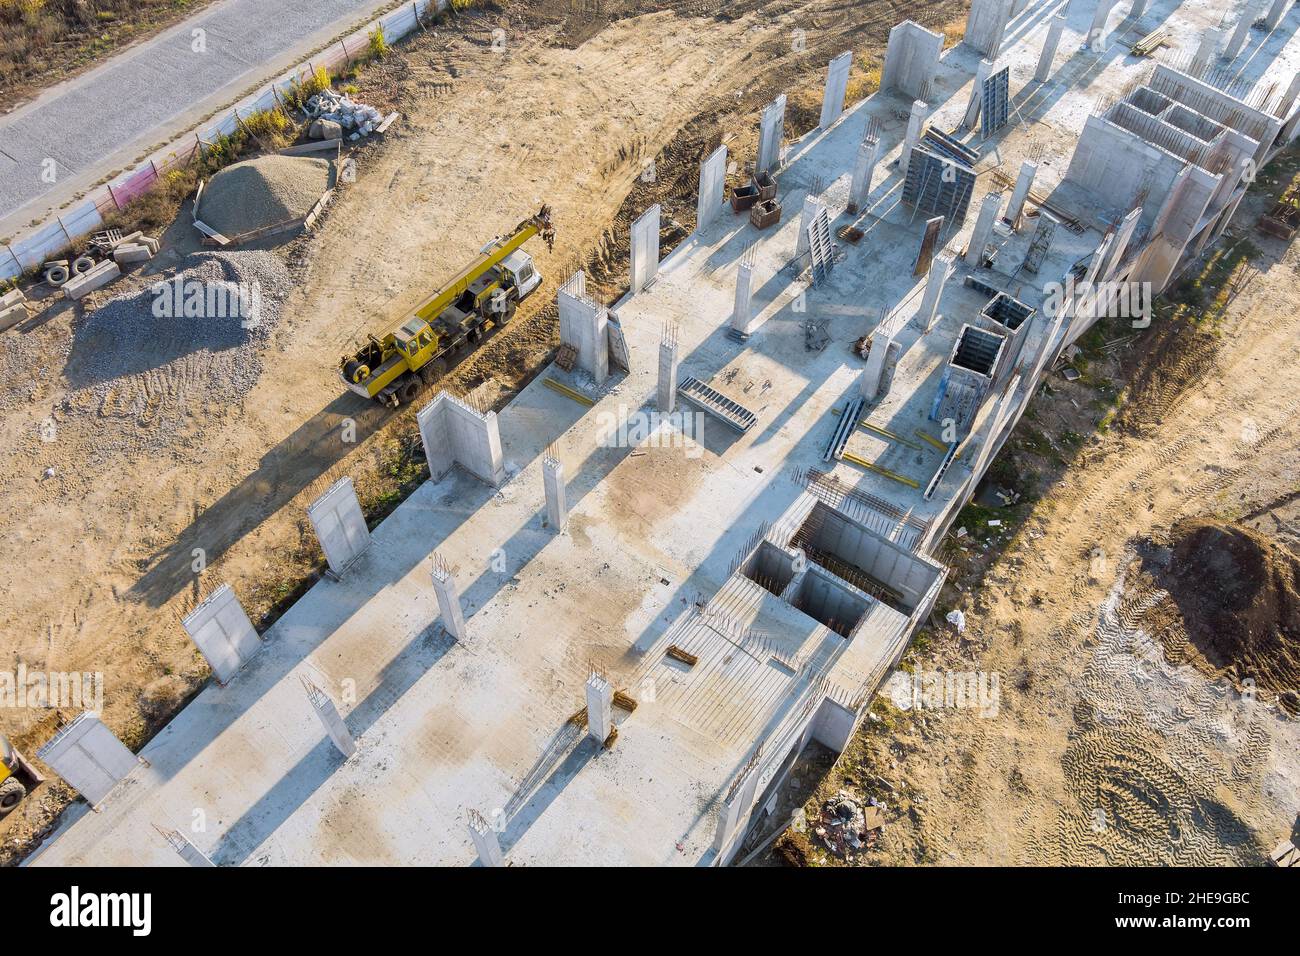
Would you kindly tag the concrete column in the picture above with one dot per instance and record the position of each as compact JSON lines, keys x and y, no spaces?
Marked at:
{"x":1237,"y":42}
{"x":940,"y":269}
{"x":811,"y":206}
{"x":1097,"y":31}
{"x":1050,"y":44}
{"x":713,"y":174}
{"x":1020,"y":193}
{"x":450,"y":612}
{"x":600,"y":708}
{"x":837,"y":83}
{"x":584,"y":324}
{"x":667,"y":395}
{"x":741,"y":314}
{"x":869,"y":382}
{"x":1289,"y":99}
{"x":330,"y":718}
{"x":1206,"y":51}
{"x":1276,"y":13}
{"x":487,"y":844}
{"x":645,"y":248}
{"x":977,"y":93}
{"x":915,"y":124}
{"x":770,"y":130}
{"x":557,"y":508}
{"x":979,"y":237}
{"x":1139,"y":7}
{"x":864,"y":166}
{"x":739,"y":799}
{"x":188,"y":852}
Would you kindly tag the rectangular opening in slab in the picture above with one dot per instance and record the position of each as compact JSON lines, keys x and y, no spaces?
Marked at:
{"x":1149,"y":101}
{"x":888,"y":571}
{"x":1007,"y":312}
{"x":828,"y":601}
{"x":977,"y":350}
{"x":771,"y":567}
{"x":1192,"y":122}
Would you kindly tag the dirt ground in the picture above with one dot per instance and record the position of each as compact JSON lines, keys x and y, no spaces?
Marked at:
{"x":1116,"y":741}
{"x":598,"y":110}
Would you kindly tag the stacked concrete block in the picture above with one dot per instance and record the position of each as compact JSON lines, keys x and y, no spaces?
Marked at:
{"x":13,"y":308}
{"x":455,"y":433}
{"x":911,"y":59}
{"x":98,"y":277}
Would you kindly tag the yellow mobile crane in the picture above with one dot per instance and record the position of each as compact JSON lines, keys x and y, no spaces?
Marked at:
{"x":451,"y":322}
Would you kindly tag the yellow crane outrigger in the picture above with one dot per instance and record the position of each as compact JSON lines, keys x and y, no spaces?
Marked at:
{"x":450,"y":322}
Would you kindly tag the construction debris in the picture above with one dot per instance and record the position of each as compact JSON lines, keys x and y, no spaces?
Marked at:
{"x":335,"y":112}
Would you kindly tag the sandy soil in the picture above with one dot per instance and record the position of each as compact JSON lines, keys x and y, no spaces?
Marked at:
{"x":1103,"y":749}
{"x":99,"y":563}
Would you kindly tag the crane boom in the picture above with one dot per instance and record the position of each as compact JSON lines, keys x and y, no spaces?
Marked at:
{"x":433,"y":306}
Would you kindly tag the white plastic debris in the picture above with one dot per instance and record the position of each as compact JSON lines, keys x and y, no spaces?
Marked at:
{"x":957,"y":619}
{"x":358,"y":119}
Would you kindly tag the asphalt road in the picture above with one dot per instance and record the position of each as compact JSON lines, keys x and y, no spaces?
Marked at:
{"x":103,"y":121}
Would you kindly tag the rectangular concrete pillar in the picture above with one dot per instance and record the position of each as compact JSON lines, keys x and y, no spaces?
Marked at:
{"x":915,"y":126}
{"x":837,"y":83}
{"x":584,"y":324}
{"x":713,"y":174}
{"x":1206,"y":51}
{"x":974,"y":104}
{"x":869,"y":382}
{"x":741,"y":313}
{"x":557,"y":507}
{"x":738,"y":801}
{"x":986,"y":25}
{"x":666,"y":396}
{"x":770,"y":130}
{"x":1289,"y":98}
{"x":1024,"y":182}
{"x":600,"y":708}
{"x":1276,"y":12}
{"x":979,"y":237}
{"x":940,"y":269}
{"x":487,"y":844}
{"x":1240,"y":35}
{"x":222,"y":632}
{"x":340,"y":526}
{"x":1053,"y":40}
{"x":1139,"y":7}
{"x":330,"y":719}
{"x":87,"y":755}
{"x":1097,"y":31}
{"x":864,"y":166}
{"x":187,"y":851}
{"x":450,"y":613}
{"x":811,"y":206}
{"x":1122,"y":236}
{"x":645,"y":248}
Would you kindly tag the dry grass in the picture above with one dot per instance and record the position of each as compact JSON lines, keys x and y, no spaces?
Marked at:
{"x":954,"y":31}
{"x":43,"y":41}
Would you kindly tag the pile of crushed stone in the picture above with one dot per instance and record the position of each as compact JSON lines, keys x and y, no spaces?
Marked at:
{"x":148,"y":364}
{"x":263,"y":192}
{"x":1238,"y":594}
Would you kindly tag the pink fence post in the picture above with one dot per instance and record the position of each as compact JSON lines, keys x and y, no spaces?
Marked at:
{"x":116,"y":204}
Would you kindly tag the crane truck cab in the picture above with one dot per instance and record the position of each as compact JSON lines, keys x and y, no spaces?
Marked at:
{"x":17,"y":777}
{"x":450,"y":322}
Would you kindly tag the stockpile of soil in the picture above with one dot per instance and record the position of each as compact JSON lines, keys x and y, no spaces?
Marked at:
{"x":263,"y":192}
{"x":1238,"y":594}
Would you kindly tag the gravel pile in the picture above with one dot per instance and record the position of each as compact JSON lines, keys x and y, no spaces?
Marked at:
{"x":148,"y":365}
{"x":263,"y":192}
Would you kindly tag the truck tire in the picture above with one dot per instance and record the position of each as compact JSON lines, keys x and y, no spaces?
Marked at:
{"x":12,"y":793}
{"x":433,"y":371}
{"x":408,"y":391}
{"x":507,"y":315}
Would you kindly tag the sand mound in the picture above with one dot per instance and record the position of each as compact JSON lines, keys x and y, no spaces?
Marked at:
{"x":263,"y":192}
{"x":1238,"y":594}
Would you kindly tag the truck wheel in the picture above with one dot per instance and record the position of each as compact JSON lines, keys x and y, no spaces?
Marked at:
{"x":409,"y":390}
{"x":433,"y":371}
{"x":12,"y":792}
{"x":507,"y":315}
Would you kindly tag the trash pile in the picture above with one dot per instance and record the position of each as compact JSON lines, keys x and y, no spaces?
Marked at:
{"x":336,"y":113}
{"x":847,"y":826}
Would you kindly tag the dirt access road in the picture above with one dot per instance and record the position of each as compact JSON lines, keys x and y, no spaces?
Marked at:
{"x":558,"y":108}
{"x":1105,"y":750}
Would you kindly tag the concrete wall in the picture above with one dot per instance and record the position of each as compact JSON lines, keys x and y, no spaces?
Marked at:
{"x":87,"y":755}
{"x":911,"y":59}
{"x":340,"y":525}
{"x":584,"y":325}
{"x":453,"y":432}
{"x":222,"y":632}
{"x":1116,"y":165}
